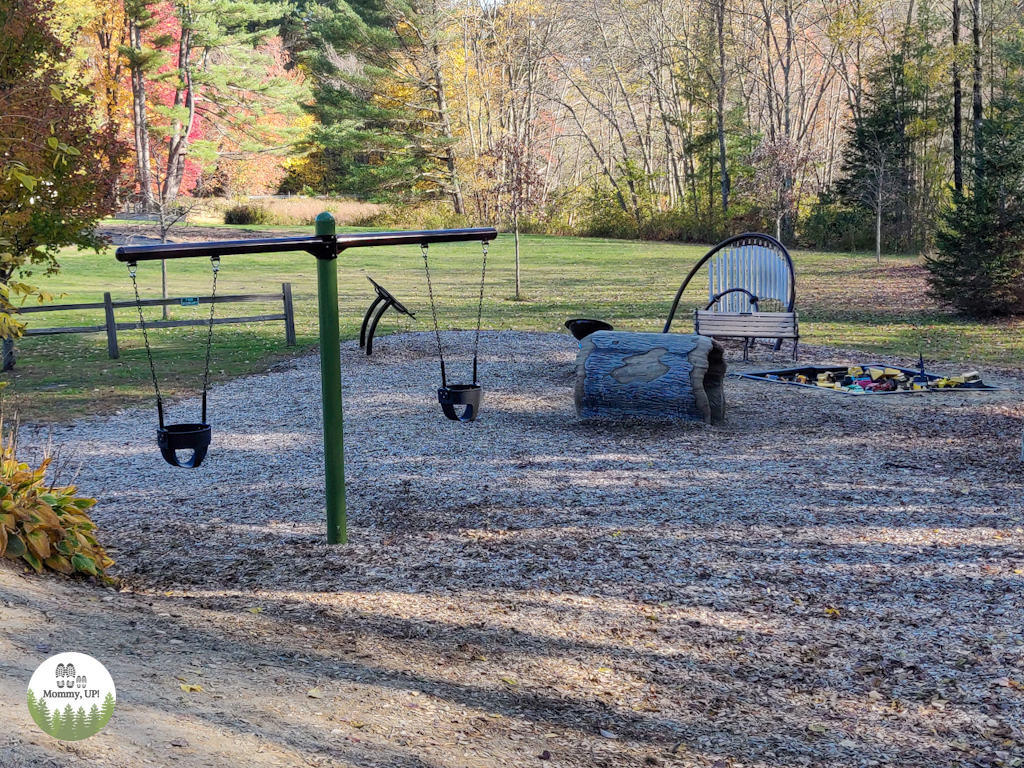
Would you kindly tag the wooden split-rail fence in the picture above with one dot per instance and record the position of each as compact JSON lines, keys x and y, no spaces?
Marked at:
{"x":111,"y":326}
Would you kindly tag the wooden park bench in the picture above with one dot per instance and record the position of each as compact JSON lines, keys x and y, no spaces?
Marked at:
{"x":746,"y":274}
{"x":747,"y":326}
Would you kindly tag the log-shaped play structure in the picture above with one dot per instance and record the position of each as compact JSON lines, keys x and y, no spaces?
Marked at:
{"x":651,"y":375}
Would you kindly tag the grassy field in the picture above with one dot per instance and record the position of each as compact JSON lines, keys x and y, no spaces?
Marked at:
{"x":844,"y":300}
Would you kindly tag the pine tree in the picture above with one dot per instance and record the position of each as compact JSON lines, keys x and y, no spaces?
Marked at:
{"x":107,"y":711}
{"x":67,"y":719}
{"x":978,"y":266}
{"x":33,"y":706}
{"x":43,"y":710}
{"x":381,"y":98}
{"x":94,"y":720}
{"x":876,"y":171}
{"x":56,"y":724}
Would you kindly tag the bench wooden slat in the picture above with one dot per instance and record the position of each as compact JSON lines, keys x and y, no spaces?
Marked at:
{"x":753,"y":325}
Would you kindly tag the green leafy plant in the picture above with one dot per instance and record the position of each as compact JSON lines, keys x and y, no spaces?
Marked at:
{"x":45,"y":525}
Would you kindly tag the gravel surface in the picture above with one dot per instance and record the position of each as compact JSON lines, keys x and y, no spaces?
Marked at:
{"x":824,"y":580}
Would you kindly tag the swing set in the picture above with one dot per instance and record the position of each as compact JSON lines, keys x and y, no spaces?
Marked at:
{"x":325,"y":246}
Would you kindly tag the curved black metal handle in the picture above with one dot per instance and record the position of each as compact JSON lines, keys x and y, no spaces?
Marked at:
{"x":718,"y":296}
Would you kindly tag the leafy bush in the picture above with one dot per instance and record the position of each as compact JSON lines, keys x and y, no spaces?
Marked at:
{"x":248,"y":214}
{"x":832,"y":225}
{"x":44,"y":525}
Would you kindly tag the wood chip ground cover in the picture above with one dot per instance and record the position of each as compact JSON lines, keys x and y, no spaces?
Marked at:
{"x":823,"y":581}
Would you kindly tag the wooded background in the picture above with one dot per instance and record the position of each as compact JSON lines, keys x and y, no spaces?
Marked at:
{"x":834,"y":123}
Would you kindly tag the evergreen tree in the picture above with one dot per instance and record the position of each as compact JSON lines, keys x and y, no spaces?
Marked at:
{"x":44,"y":713}
{"x":33,"y":707}
{"x":56,"y":723}
{"x":876,"y":171}
{"x":108,"y":710}
{"x":94,"y":719}
{"x":979,"y":263}
{"x":67,"y":730}
{"x":381,"y":103}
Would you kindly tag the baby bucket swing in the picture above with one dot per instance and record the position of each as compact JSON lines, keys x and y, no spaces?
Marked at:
{"x":452,"y":395}
{"x":172,"y":438}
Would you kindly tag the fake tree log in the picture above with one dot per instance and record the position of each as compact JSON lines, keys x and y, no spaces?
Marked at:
{"x":651,"y":375}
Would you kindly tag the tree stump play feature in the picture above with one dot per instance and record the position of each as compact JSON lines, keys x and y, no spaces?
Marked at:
{"x":651,"y":375}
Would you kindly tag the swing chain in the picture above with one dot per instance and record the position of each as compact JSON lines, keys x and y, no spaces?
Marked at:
{"x":132,"y":269}
{"x":433,"y":311}
{"x":215,"y":263}
{"x":480,"y":309}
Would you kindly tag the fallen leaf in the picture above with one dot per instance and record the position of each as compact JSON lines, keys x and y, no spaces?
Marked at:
{"x":509,"y":680}
{"x":1002,"y":682}
{"x":848,"y":743}
{"x":255,"y":609}
{"x":191,"y":688}
{"x":817,"y":728}
{"x":832,"y":613}
{"x":874,"y":695}
{"x":314,"y":693}
{"x":356,"y":724}
{"x":607,"y":734}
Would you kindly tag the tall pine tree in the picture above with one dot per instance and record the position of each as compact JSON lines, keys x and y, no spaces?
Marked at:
{"x":978,"y":266}
{"x":381,"y":97}
{"x":876,"y":171}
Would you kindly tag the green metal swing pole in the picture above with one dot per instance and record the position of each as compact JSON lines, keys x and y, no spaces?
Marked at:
{"x":330,"y":383}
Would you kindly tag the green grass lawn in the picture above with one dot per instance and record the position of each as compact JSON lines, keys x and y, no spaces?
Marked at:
{"x":844,"y":300}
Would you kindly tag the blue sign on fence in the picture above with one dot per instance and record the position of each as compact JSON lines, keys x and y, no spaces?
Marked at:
{"x":190,"y":302}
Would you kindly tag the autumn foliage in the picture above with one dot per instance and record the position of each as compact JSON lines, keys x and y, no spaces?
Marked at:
{"x":57,"y":171}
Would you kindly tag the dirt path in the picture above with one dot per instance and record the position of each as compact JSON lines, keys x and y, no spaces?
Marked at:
{"x":825,"y":581}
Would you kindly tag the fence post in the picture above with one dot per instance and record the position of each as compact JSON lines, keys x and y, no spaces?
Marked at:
{"x":8,"y":355}
{"x":289,"y":314}
{"x":108,"y":308}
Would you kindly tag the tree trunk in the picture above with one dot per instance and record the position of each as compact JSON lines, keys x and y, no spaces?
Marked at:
{"x":446,"y":129}
{"x":177,"y":148}
{"x":976,"y":43}
{"x":722,"y":162}
{"x":140,"y":122}
{"x":651,"y":375}
{"x":958,"y":108}
{"x":878,"y":227}
{"x":516,"y":227}
{"x":163,"y":286}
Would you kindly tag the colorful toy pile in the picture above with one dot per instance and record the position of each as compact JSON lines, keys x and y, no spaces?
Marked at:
{"x":871,"y":378}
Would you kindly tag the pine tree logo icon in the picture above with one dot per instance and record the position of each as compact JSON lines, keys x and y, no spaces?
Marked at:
{"x":71,"y":696}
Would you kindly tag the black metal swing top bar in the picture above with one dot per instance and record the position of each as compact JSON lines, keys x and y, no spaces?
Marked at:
{"x":321,"y":246}
{"x":325,"y":246}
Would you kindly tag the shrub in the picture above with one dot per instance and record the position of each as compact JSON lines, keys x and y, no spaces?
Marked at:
{"x":46,"y":526}
{"x":247,"y":214}
{"x":437,"y":215}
